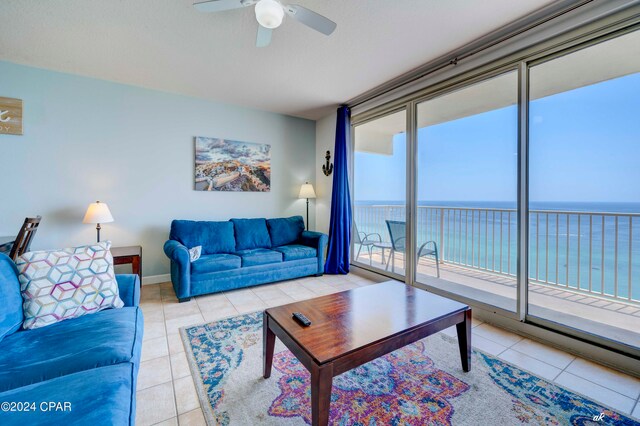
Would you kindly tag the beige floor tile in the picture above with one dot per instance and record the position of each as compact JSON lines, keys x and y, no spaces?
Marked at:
{"x":238,"y":297}
{"x":611,"y":379}
{"x":636,"y":411}
{"x":154,"y":348}
{"x":154,"y":314}
{"x":299,"y":292}
{"x":216,"y":314}
{"x":174,"y":325}
{"x":250,"y":307}
{"x":214,"y":301}
{"x":497,"y":335}
{"x":173,"y":421}
{"x":267,"y":293}
{"x":284,"y":300}
{"x":152,"y":306}
{"x":599,"y":393}
{"x":537,"y":367}
{"x":177,"y":310}
{"x":155,"y":405}
{"x":486,"y":345}
{"x":179,"y":365}
{"x":154,"y":372}
{"x":544,"y":353}
{"x":175,"y":343}
{"x":192,"y":418}
{"x":451,"y":331}
{"x":475,"y":322}
{"x":153,"y":329}
{"x":186,"y":396}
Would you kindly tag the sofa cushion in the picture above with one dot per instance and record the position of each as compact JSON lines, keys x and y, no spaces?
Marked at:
{"x":259,"y":257}
{"x":102,"y":396}
{"x":63,"y":284}
{"x":214,"y":237}
{"x":285,"y":230}
{"x":251,"y":234}
{"x":11,"y":307}
{"x":296,"y":251}
{"x":109,"y":337}
{"x":215,"y":263}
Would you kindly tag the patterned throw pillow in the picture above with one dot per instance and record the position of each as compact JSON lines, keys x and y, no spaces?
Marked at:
{"x":61,"y":284}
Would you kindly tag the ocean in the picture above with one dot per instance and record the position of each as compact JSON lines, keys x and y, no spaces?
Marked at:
{"x":593,"y":246}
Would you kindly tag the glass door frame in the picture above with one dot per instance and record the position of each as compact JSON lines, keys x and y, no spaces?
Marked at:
{"x":520,"y":62}
{"x":367,"y":117}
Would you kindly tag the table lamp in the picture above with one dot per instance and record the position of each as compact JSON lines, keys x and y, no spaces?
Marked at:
{"x":98,"y":213}
{"x":306,"y":191}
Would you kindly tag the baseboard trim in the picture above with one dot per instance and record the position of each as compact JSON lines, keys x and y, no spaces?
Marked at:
{"x":156,"y":279}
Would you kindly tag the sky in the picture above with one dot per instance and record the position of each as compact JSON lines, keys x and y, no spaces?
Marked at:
{"x":584,"y":147}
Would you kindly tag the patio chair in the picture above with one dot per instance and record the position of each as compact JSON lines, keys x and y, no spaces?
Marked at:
{"x":398,"y":234}
{"x":364,"y":240}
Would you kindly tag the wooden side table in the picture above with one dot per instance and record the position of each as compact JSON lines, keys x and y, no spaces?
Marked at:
{"x":126,"y":255}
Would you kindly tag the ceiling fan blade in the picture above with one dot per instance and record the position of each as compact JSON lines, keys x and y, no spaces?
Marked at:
{"x":220,"y":5}
{"x":264,"y":36}
{"x":311,"y":19}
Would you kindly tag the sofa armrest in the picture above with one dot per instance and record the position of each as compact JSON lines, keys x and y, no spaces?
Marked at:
{"x":180,"y":268}
{"x":318,"y":241}
{"x":129,"y":289}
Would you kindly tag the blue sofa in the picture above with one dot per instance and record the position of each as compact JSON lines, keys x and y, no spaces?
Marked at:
{"x":241,"y":253}
{"x":78,"y":371}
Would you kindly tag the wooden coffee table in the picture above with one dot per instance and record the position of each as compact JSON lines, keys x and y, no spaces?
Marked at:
{"x":354,"y":327}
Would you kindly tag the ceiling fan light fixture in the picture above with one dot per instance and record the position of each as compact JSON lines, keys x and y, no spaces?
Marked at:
{"x":269,"y":13}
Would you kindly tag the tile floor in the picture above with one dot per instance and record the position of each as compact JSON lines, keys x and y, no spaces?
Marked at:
{"x":167,"y":396}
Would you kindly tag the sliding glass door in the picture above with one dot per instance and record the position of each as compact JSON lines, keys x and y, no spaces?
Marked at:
{"x":467,"y":191}
{"x":584,"y":164}
{"x":379,"y":183}
{"x":524,"y":188}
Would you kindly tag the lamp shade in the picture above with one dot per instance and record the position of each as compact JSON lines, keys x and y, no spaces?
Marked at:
{"x":97,"y":213}
{"x":306,"y":191}
{"x":269,"y":13}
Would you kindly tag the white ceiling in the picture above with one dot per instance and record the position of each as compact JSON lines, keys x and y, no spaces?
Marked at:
{"x":168,"y":45}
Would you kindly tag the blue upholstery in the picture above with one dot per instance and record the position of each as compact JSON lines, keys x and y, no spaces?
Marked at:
{"x":251,"y":276}
{"x":90,"y":341}
{"x":297,"y":251}
{"x":102,"y":396}
{"x":11,"y":315}
{"x":318,"y":241}
{"x":214,"y":237}
{"x":91,"y":361}
{"x":129,"y":289}
{"x":259,"y":264}
{"x":286,"y":230}
{"x":251,"y":234}
{"x":257,"y":257}
{"x":215,"y":263}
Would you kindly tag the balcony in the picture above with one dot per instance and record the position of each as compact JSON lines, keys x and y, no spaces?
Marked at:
{"x":584,"y":267}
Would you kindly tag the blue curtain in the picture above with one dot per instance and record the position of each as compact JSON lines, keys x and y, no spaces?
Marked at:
{"x":340,"y":225}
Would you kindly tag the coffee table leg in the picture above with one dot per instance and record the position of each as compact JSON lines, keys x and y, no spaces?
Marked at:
{"x":269,"y":340}
{"x":464,"y":340}
{"x":321,"y":382}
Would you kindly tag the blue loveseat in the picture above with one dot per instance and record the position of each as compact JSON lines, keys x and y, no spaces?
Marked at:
{"x":241,"y":253}
{"x":78,"y":371}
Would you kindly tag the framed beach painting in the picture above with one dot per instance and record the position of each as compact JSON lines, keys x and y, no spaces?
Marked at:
{"x":228,"y":165}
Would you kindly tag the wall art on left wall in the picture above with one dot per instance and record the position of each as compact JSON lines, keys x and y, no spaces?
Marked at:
{"x":228,"y":165}
{"x":10,"y":116}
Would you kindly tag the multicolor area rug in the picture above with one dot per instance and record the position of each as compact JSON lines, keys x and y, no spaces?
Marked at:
{"x":421,"y":384}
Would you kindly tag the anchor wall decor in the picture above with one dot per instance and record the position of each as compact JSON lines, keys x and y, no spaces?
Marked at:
{"x":327,"y":168}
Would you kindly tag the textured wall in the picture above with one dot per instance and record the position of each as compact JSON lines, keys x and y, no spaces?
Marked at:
{"x":325,"y":140}
{"x":87,"y":140}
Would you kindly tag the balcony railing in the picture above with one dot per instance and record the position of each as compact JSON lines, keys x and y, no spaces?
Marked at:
{"x":590,"y":252}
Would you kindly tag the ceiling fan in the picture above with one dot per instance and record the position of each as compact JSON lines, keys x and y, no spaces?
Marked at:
{"x":270,"y":14}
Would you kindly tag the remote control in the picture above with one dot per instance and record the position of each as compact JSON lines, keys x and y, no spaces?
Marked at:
{"x":301,"y":319}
